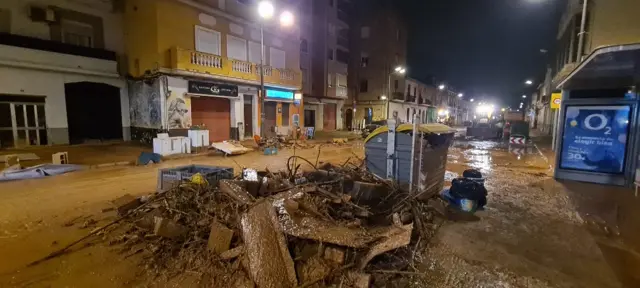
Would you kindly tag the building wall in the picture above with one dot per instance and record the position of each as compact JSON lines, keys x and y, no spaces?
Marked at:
{"x":21,"y":23}
{"x":33,"y":72}
{"x":155,"y":26}
{"x":613,"y":22}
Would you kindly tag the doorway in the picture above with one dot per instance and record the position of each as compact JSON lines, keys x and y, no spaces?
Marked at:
{"x":93,"y":112}
{"x":270,"y":109}
{"x":348,"y":116}
{"x":248,"y":115}
{"x":329,"y":117}
{"x":23,"y":123}
{"x":310,"y":118}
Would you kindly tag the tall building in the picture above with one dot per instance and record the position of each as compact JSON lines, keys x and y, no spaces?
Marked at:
{"x":59,"y":76}
{"x":378,"y":46}
{"x":327,"y":46}
{"x":199,"y":63}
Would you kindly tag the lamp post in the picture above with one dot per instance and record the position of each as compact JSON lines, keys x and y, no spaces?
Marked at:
{"x":399,"y":70}
{"x":266,"y":11}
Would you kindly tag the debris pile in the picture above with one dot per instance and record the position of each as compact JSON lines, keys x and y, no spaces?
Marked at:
{"x":335,"y":225}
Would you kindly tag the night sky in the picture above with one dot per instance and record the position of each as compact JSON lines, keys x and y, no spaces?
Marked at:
{"x":485,"y":48}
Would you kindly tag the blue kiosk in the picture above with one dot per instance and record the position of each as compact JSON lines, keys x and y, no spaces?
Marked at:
{"x":598,"y":129}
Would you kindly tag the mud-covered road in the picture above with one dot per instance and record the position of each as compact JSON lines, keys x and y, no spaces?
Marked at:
{"x":529,"y":235}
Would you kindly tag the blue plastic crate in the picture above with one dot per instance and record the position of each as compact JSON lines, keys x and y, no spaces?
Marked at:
{"x":171,"y":177}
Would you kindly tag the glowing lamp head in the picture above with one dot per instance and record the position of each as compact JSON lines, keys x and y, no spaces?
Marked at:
{"x":266,"y":9}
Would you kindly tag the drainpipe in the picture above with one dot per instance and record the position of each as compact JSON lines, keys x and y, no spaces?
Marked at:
{"x":583,"y":24}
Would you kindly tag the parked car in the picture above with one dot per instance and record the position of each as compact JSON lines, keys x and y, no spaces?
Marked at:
{"x":373,"y":126}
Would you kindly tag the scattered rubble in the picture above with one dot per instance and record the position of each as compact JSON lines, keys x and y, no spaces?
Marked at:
{"x":335,"y":228}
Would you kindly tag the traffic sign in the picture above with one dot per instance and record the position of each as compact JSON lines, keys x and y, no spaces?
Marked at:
{"x":556,"y":100}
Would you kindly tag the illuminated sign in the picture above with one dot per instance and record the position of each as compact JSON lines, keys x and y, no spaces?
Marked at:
{"x":595,"y":138}
{"x":279,"y":94}
{"x":556,"y":100}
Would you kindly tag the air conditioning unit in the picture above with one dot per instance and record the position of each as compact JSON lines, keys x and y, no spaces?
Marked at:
{"x":42,"y":14}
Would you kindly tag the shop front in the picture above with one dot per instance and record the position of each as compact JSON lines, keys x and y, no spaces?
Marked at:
{"x":283,"y":111}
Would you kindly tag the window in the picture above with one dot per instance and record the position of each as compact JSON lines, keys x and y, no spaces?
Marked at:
{"x":415,"y":91}
{"x":396,"y":84}
{"x":330,"y":54}
{"x":409,"y":89}
{"x":364,"y":86}
{"x":342,"y":56}
{"x":236,"y":48}
{"x":304,"y":45}
{"x":207,"y":40}
{"x":76,"y":33}
{"x":285,"y":114}
{"x":408,"y":111}
{"x":277,"y":58}
{"x":341,"y":80}
{"x":364,"y":60}
{"x":330,"y":80}
{"x":255,"y":52}
{"x":364,"y":32}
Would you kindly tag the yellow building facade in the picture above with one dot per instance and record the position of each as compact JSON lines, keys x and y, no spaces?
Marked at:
{"x":198,"y":63}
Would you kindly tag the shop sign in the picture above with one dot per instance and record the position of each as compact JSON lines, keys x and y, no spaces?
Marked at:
{"x":279,"y":94}
{"x":595,"y":138}
{"x":214,"y":89}
{"x":556,"y":100}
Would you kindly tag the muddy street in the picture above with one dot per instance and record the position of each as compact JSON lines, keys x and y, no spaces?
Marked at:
{"x":528,"y":235}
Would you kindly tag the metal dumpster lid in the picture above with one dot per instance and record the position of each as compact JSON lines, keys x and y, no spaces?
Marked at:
{"x":434,"y":128}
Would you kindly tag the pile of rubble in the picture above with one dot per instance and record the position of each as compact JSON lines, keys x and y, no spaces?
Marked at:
{"x":334,"y":226}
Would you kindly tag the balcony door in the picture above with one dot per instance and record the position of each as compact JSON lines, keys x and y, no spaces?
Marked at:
{"x":22,"y":124}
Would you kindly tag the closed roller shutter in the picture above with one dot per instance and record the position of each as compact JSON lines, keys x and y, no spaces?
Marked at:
{"x":329,"y":117}
{"x":215,"y":114}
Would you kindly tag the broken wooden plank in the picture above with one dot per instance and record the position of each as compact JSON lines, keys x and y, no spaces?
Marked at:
{"x":392,"y":238}
{"x":270,"y":264}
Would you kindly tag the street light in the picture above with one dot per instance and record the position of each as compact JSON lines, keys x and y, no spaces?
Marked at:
{"x":460,"y":95}
{"x":399,"y":70}
{"x":442,"y":86}
{"x":524,"y":96}
{"x":266,"y":11}
{"x":528,"y":82}
{"x":471,"y":100}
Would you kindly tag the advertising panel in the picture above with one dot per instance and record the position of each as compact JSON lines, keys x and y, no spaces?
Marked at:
{"x":595,"y":138}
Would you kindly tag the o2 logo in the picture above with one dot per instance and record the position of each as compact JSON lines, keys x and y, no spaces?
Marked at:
{"x":603,"y":122}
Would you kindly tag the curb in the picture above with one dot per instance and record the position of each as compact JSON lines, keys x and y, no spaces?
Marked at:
{"x":112,"y":164}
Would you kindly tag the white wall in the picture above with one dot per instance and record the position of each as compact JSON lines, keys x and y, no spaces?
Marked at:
{"x":51,"y":85}
{"x":112,"y":23}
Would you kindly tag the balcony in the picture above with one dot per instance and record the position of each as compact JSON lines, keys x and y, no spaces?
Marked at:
{"x":337,"y":92}
{"x":34,"y":53}
{"x":233,"y":70}
{"x":397,"y":96}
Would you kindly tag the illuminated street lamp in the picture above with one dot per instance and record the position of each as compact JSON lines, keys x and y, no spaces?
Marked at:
{"x":528,"y":82}
{"x":524,"y":96}
{"x":471,"y":100}
{"x":266,"y":10}
{"x":460,"y":95}
{"x":399,"y":70}
{"x":442,"y":86}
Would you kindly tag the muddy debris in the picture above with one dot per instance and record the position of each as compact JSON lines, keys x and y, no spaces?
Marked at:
{"x":334,"y":229}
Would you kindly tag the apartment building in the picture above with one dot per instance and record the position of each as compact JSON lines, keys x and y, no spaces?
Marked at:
{"x":378,"y":47}
{"x":418,"y":100}
{"x":607,"y":23}
{"x":324,"y":106}
{"x":59,"y":76}
{"x":198,"y":63}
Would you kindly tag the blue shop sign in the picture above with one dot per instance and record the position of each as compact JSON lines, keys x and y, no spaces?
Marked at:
{"x":595,"y":138}
{"x":280,"y":94}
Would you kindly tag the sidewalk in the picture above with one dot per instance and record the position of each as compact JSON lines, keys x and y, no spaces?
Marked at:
{"x":611,"y":214}
{"x":87,"y":154}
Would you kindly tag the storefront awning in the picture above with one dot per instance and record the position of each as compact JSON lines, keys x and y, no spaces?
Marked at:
{"x":606,"y":68}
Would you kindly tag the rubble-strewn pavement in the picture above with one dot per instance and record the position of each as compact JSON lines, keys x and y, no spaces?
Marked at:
{"x":529,"y":235}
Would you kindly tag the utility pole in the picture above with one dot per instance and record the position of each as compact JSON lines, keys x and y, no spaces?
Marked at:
{"x":262,"y":90}
{"x":583,"y":24}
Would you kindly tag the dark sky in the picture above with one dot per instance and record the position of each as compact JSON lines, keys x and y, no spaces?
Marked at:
{"x":486,"y":48}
